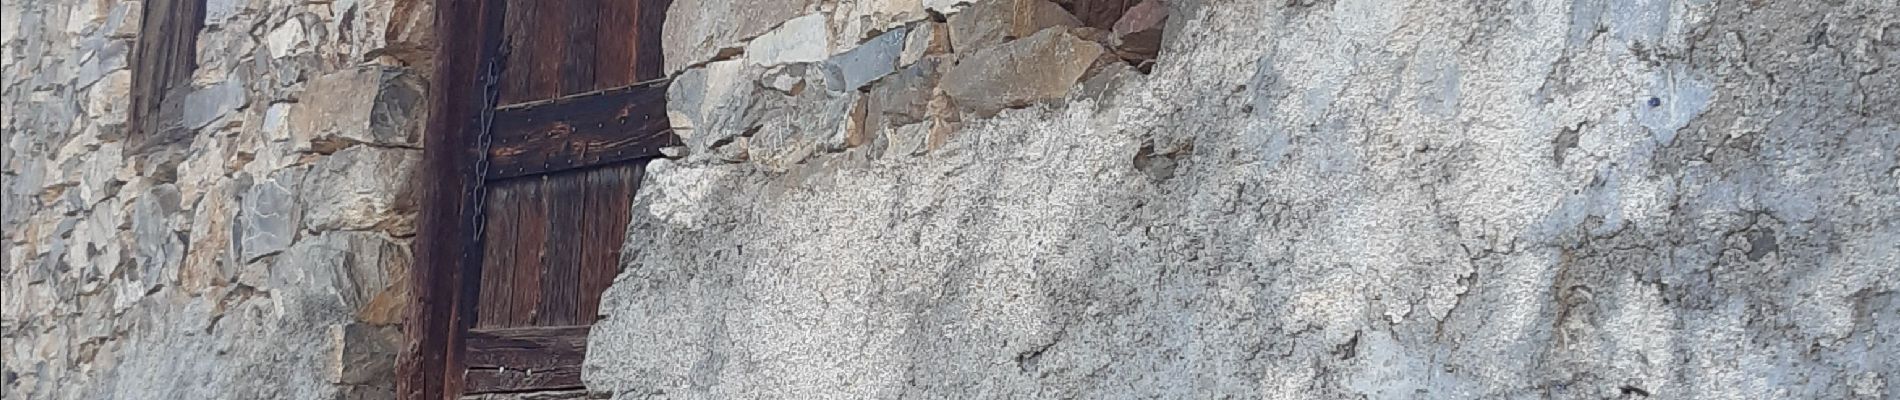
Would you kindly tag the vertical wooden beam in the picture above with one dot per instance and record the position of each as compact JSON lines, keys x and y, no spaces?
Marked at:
{"x":163,"y":60}
{"x":429,"y":367}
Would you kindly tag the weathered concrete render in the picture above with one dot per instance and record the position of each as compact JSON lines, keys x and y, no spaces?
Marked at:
{"x":1306,"y":199}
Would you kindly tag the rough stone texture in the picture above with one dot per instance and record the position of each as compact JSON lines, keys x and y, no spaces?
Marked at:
{"x":1044,"y":66}
{"x":697,"y":31}
{"x":869,"y":61}
{"x":368,"y":105}
{"x":1570,"y":199}
{"x":799,"y":40}
{"x":988,"y":23}
{"x":202,"y":270}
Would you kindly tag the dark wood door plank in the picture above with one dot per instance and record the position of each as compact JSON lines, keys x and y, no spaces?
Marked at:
{"x":581,"y":131}
{"x":509,"y":380}
{"x":609,"y":207}
{"x":648,"y":63}
{"x":561,"y":276}
{"x":537,"y":41}
{"x":577,"y":66}
{"x":498,"y":259}
{"x":442,"y":283}
{"x":615,"y":47}
{"x":531,"y":252}
{"x":529,"y":348}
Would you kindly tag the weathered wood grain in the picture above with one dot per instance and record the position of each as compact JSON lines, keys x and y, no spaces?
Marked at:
{"x":580,"y":131}
{"x":162,"y":62}
{"x":609,"y":205}
{"x":498,"y":261}
{"x":512,"y":380}
{"x":531,"y":252}
{"x":441,"y":287}
{"x":561,"y":276}
{"x":616,"y":46}
{"x":529,"y":348}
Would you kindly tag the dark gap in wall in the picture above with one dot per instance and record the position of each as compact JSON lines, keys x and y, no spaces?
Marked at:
{"x":166,"y":55}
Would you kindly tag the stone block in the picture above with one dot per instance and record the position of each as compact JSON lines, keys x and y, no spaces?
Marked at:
{"x":807,"y":123}
{"x":108,"y":100}
{"x":991,"y":22}
{"x":210,"y":259}
{"x":927,"y":38}
{"x":287,"y":39}
{"x":715,"y":103}
{"x":904,"y":98}
{"x":869,"y":61}
{"x":349,"y":271}
{"x":269,"y":214}
{"x":698,"y":31}
{"x":1045,"y":66}
{"x":108,"y":58}
{"x":210,"y":103}
{"x":157,"y":248}
{"x":800,"y":40}
{"x":371,"y":105}
{"x":361,"y":187}
{"x":1137,"y":36}
{"x":857,"y":20}
{"x":363,"y":354}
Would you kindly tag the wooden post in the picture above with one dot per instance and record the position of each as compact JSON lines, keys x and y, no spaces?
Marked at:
{"x":429,"y":366}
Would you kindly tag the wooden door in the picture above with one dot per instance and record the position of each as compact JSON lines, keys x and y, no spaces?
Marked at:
{"x":558,"y":108}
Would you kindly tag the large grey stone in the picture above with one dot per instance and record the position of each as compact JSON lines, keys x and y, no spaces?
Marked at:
{"x":209,"y":103}
{"x":370,"y":105}
{"x":697,"y":31}
{"x":800,"y":40}
{"x":904,"y":98}
{"x":212,"y":253}
{"x":269,"y":214}
{"x":362,"y":187}
{"x":158,"y":249}
{"x":1045,"y":66}
{"x":711,"y":105}
{"x":354,"y":272}
{"x":792,"y":128}
{"x":869,"y":61}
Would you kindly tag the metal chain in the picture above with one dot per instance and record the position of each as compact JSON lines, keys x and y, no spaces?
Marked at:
{"x":484,"y":138}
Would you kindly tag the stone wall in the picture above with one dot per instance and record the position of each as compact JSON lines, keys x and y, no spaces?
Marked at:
{"x":1304,"y":199}
{"x":261,"y":257}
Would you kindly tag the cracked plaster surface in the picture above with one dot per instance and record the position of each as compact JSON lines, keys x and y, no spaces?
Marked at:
{"x":1326,"y":199}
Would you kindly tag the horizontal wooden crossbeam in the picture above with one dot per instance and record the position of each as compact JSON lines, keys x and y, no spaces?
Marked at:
{"x":579,"y":131}
{"x":525,"y":359}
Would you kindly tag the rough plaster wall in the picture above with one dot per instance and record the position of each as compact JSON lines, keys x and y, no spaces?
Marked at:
{"x":1320,"y":199}
{"x":261,"y":257}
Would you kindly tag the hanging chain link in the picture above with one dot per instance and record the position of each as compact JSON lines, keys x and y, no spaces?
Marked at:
{"x":484,"y":138}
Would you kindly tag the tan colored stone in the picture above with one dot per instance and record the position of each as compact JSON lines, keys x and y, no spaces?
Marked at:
{"x":362,"y":353}
{"x":109,"y":99}
{"x":992,"y":22}
{"x":856,"y":133}
{"x":1045,"y":66}
{"x":928,"y":38}
{"x":208,"y":258}
{"x":373,"y":105}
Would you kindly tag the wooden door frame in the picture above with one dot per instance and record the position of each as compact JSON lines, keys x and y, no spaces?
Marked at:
{"x":622,"y":124}
{"x":441,"y":281}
